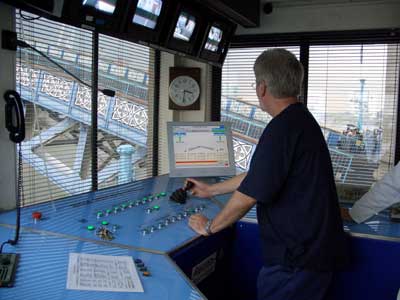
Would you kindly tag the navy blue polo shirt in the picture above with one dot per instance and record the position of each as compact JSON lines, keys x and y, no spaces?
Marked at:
{"x":291,"y":178}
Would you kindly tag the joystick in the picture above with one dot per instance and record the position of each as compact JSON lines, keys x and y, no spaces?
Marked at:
{"x":180,"y":194}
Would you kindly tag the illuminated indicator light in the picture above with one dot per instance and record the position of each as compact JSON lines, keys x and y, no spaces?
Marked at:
{"x":104,"y":223}
{"x":163,"y":194}
{"x":144,"y":198}
{"x":156,"y":207}
{"x":90,"y":227}
{"x":146,"y":273}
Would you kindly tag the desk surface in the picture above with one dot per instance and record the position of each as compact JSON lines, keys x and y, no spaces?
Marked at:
{"x":378,"y":227}
{"x":42,"y":271}
{"x":140,"y":215}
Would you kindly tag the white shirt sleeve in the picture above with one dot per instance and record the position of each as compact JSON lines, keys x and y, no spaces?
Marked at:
{"x":382,"y":195}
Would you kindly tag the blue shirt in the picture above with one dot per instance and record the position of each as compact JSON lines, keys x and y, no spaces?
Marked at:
{"x":291,"y":178}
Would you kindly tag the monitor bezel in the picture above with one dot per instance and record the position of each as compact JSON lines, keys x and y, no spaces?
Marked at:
{"x":200,"y":171}
{"x":136,"y":32}
{"x":186,"y":47}
{"x":217,"y":57}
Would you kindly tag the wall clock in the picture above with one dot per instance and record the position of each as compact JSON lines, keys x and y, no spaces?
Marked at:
{"x":184,"y":88}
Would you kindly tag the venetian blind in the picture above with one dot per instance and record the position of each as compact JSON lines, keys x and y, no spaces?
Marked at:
{"x":56,"y":149}
{"x":352,"y":92}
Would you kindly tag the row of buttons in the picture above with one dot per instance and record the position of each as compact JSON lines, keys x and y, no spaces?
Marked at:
{"x":129,"y":204}
{"x":172,"y":219}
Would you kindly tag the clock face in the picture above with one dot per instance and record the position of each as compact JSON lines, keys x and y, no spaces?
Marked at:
{"x":184,"y":90}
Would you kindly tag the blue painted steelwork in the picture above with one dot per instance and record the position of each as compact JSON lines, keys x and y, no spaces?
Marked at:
{"x":43,"y":267}
{"x":132,"y":211}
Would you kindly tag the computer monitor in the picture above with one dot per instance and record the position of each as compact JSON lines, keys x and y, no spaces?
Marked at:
{"x":146,"y":20}
{"x":216,"y":42}
{"x":187,"y":30}
{"x":200,"y":149}
{"x":104,"y":16}
{"x":105,"y":6}
{"x":147,"y":13}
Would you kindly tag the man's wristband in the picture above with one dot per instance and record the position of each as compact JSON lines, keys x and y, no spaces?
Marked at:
{"x":208,"y":227}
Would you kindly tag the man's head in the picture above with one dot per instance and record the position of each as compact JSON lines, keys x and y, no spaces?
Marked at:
{"x":279,"y":75}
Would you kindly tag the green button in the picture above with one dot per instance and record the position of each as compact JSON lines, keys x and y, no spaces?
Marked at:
{"x":163,"y":194}
{"x":108,"y":211}
{"x":144,"y":198}
{"x":90,"y":227}
{"x":156,"y":207}
{"x":104,"y":223}
{"x":123,"y":206}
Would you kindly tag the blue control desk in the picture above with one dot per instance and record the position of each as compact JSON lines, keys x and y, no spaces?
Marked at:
{"x":43,"y":265}
{"x":139,"y":215}
{"x":140,"y":221}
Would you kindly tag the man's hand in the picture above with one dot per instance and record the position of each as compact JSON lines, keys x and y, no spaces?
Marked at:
{"x":198,"y":223}
{"x":200,"y":189}
{"x":344,"y":212}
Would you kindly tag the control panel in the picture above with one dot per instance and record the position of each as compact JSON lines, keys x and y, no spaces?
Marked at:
{"x":139,"y":215}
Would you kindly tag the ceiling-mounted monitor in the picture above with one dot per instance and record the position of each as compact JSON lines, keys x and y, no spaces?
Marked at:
{"x":146,"y":20}
{"x":105,"y":16}
{"x":188,"y":27}
{"x":216,"y":41}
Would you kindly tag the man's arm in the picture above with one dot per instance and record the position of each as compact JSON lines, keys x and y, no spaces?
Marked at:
{"x":203,"y":190}
{"x":236,"y":208}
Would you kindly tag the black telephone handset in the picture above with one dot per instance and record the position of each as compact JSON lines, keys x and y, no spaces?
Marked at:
{"x":15,"y":119}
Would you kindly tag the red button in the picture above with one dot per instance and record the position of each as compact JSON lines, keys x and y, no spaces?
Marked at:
{"x":37,"y":215}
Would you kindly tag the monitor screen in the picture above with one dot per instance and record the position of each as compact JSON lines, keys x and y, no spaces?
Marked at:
{"x":213,"y":39}
{"x":106,"y":6}
{"x":200,"y":149}
{"x":147,"y":13}
{"x":184,"y":27}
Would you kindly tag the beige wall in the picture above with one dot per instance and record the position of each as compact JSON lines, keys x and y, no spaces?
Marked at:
{"x":7,"y":148}
{"x":327,"y":15}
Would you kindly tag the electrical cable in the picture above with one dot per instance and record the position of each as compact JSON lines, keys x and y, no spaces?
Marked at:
{"x":23,"y":44}
{"x":28,"y":18}
{"x":18,"y":201}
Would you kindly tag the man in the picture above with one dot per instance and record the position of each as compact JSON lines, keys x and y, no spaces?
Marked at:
{"x":291,"y":181}
{"x":382,"y":195}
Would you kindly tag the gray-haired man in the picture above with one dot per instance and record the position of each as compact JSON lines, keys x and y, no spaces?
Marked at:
{"x":291,"y":181}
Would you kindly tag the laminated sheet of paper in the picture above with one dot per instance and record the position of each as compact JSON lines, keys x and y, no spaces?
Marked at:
{"x":102,"y":273}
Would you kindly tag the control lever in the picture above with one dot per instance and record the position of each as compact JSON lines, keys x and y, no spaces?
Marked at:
{"x":180,"y":194}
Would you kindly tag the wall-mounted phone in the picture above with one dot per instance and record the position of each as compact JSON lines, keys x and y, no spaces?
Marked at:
{"x":15,"y":119}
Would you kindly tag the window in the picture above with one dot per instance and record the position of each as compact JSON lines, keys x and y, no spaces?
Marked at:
{"x":57,"y":152}
{"x":239,"y":103}
{"x":352,"y":92}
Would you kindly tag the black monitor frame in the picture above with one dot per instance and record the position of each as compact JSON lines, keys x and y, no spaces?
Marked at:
{"x":188,"y":47}
{"x":137,"y":32}
{"x":218,"y":57}
{"x":90,"y":18}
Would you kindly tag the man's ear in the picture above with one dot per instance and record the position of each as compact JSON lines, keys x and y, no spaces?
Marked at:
{"x":263,"y":88}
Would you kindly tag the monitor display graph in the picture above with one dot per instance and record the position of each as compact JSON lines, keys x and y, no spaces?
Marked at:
{"x":213,"y":40}
{"x":185,"y":27}
{"x":147,"y":13}
{"x":201,"y":149}
{"x":106,"y":6}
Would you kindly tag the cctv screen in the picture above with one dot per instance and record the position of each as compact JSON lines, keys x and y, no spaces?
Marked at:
{"x":213,"y":39}
{"x":147,"y":13}
{"x":106,"y":6}
{"x":185,"y":27}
